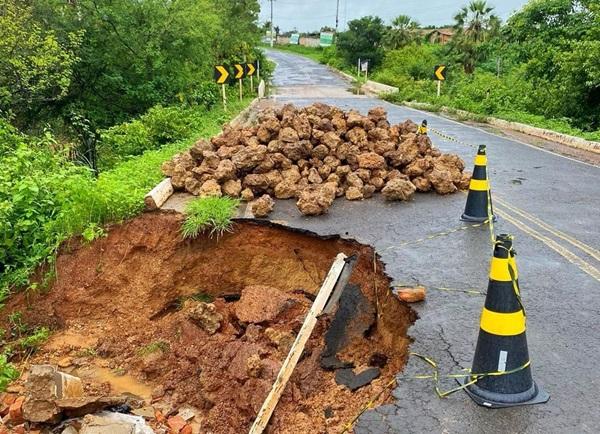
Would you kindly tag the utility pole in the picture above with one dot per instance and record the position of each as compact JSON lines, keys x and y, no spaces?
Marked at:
{"x":337,"y":17}
{"x":272,"y":23}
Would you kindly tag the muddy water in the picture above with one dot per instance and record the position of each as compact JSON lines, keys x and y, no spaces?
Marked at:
{"x":119,"y":383}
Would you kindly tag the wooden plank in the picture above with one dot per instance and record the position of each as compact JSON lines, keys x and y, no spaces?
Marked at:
{"x":293,"y":356}
{"x":159,"y":194}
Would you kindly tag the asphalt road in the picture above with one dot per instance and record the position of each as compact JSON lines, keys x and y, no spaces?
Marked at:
{"x":548,"y":202}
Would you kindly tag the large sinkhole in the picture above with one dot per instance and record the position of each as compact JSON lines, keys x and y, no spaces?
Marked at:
{"x":125,"y":304}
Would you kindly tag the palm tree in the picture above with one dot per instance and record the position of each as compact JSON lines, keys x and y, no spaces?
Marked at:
{"x":402,"y":32}
{"x":475,"y":24}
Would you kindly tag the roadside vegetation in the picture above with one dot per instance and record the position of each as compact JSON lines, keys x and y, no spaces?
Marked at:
{"x":540,"y":67}
{"x":94,"y":96}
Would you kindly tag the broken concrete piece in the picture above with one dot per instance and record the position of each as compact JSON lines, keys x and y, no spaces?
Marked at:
{"x":45,"y":385}
{"x":353,"y":381}
{"x":114,"y":423}
{"x":145,"y":412}
{"x":412,"y":295}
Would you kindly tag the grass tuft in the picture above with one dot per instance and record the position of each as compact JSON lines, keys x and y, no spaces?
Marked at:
{"x":209,"y":213}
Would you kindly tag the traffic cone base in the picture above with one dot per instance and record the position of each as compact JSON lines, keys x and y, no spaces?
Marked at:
{"x":534,"y":395}
{"x":476,"y":209}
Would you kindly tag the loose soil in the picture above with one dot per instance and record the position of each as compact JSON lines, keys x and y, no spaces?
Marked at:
{"x":117,"y":319}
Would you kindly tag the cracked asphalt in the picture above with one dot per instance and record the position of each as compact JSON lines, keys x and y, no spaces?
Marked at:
{"x":551,"y":205}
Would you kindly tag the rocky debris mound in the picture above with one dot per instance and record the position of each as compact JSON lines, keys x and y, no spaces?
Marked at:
{"x":315,"y":154}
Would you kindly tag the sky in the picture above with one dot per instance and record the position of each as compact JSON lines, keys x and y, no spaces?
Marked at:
{"x":309,"y":15}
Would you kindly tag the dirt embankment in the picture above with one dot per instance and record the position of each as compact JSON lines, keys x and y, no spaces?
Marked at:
{"x":123,"y":310}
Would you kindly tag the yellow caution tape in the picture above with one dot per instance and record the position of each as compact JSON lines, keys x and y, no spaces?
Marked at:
{"x":436,"y":235}
{"x":452,"y":139}
{"x":436,"y":376}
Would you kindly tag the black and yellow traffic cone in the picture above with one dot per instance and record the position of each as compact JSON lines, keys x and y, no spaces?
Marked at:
{"x":501,"y":372}
{"x":422,"y":129}
{"x":479,"y":200}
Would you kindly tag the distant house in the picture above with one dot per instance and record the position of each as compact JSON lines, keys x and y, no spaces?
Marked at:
{"x":440,"y":36}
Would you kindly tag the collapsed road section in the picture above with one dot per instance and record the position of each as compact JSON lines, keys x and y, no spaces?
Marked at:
{"x":207,"y":323}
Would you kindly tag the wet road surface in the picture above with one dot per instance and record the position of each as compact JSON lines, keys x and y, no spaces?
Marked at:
{"x":550,"y":203}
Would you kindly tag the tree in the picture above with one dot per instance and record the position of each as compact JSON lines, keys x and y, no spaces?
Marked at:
{"x":474,"y":25}
{"x":404,"y":30}
{"x":560,"y":56}
{"x":363,"y":40}
{"x":36,"y":68}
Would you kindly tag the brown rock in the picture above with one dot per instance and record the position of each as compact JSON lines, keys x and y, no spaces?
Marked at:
{"x":302,"y":126}
{"x":232,"y":188}
{"x":247,"y":195}
{"x":249,"y":157}
{"x":192,"y":186}
{"x":316,"y":199}
{"x":371,"y":160}
{"x":254,"y":366}
{"x":398,"y":189}
{"x":339,"y":124}
{"x":379,"y":134}
{"x":257,"y":182}
{"x":204,"y":315}
{"x":354,"y":193}
{"x":210,"y":188}
{"x":353,"y":180}
{"x":296,"y":150}
{"x":464,"y":182}
{"x":412,"y":295}
{"x":15,"y":411}
{"x":377,"y":114}
{"x":282,"y":339}
{"x":331,"y":140}
{"x":320,"y":152}
{"x":225,"y":171}
{"x":423,"y":184}
{"x":377,"y":182}
{"x":355,"y":119}
{"x":314,"y":177}
{"x":199,"y":147}
{"x":441,"y":180}
{"x":176,"y":424}
{"x":382,"y":147}
{"x":288,"y":135}
{"x":368,"y":190}
{"x":418,"y":167}
{"x":357,"y":136}
{"x":262,"y":206}
{"x":286,"y":190}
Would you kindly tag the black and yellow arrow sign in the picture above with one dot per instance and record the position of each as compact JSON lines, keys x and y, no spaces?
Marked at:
{"x":239,"y":71}
{"x":250,"y":69}
{"x":221,"y":74}
{"x":439,"y":72}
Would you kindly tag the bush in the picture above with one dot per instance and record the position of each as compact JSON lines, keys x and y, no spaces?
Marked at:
{"x":44,"y":198}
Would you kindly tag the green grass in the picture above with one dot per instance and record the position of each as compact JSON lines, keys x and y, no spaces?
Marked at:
{"x":153,"y":347}
{"x":209,"y":213}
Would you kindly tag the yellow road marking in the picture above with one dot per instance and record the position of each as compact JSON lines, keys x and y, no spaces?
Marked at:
{"x":561,"y":250}
{"x":575,"y":242}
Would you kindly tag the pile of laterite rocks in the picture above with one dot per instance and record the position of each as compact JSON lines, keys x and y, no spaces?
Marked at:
{"x":316,"y":154}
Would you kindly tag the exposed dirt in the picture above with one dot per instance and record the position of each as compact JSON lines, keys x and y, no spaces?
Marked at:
{"x":119,"y":314}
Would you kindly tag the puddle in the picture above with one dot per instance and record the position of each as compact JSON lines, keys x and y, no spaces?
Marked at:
{"x":118,"y":383}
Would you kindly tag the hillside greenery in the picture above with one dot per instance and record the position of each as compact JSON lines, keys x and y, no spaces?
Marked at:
{"x":540,"y":67}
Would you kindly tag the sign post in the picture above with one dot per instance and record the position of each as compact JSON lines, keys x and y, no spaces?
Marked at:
{"x":239,"y":75}
{"x":221,"y":74}
{"x":364,"y":66}
{"x":439,"y":74}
